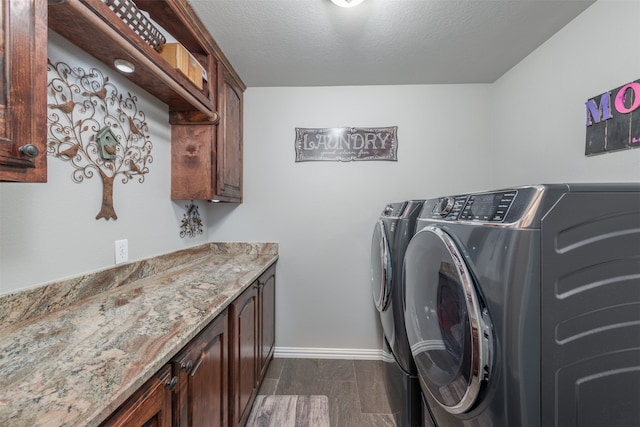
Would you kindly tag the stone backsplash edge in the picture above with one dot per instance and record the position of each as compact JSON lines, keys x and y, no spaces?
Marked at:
{"x":30,"y":303}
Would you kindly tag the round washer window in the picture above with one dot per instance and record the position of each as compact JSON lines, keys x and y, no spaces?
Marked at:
{"x":443,"y":319}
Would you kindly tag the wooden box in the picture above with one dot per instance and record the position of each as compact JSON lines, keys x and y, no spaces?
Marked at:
{"x":183,"y":61}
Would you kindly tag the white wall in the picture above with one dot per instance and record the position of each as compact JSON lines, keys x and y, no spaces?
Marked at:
{"x":49,"y":231}
{"x":528,"y":127}
{"x":323,"y":213}
{"x":539,"y":106}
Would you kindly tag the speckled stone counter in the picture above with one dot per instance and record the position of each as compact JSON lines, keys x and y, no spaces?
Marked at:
{"x":71,"y":359}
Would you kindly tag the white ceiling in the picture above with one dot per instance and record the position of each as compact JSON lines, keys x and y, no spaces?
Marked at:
{"x":380,"y":42}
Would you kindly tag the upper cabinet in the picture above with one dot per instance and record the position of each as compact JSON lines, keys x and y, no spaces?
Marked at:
{"x":229,"y":159}
{"x":23,"y":90}
{"x":112,"y":38}
{"x":206,"y":158}
{"x":205,"y":104}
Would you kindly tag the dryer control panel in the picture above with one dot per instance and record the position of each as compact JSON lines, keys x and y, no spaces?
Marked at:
{"x":394,"y":210}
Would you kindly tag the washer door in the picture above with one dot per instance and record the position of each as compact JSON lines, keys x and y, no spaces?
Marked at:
{"x":381,"y":274}
{"x":449,"y":334}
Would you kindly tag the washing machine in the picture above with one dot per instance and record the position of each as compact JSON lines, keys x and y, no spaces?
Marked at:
{"x":391,"y":236}
{"x":523,"y":306}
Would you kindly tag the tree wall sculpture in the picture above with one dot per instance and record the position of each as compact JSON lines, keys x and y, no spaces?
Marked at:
{"x":96,"y":129}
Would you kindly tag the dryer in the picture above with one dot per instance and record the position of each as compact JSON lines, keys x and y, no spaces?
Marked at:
{"x":391,"y":236}
{"x":523,"y":306}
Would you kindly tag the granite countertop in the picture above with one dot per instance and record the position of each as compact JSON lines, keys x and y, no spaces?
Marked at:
{"x":75,"y":364}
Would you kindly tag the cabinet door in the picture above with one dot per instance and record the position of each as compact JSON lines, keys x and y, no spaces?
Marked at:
{"x":244,"y":354}
{"x":206,"y":153}
{"x":150,"y":406}
{"x":230,"y":142}
{"x":23,"y":86}
{"x":202,"y":371}
{"x":193,"y":174}
{"x":267,"y":298}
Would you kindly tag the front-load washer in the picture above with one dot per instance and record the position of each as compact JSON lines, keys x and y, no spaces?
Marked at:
{"x":523,"y":306}
{"x":391,"y":236}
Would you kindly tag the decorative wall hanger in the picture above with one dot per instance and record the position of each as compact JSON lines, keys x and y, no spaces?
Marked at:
{"x":191,"y":223}
{"x":612,"y":120}
{"x":346,"y":144}
{"x":96,"y":129}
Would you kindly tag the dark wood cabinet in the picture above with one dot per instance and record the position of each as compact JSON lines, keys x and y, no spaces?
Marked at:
{"x":111,"y":39}
{"x":244,"y":354}
{"x":267,"y":305}
{"x":149,"y":406}
{"x":201,"y":397}
{"x":206,"y":123}
{"x":253,"y":338}
{"x":207,"y":156}
{"x":193,"y":161}
{"x":214,"y":379}
{"x":230,"y":140}
{"x":23,"y":90}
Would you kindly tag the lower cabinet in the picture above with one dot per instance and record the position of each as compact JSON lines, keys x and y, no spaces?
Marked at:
{"x":252,"y":328}
{"x":214,"y":379}
{"x":149,"y":406}
{"x":201,"y":396}
{"x":244,"y":354}
{"x":267,"y":323}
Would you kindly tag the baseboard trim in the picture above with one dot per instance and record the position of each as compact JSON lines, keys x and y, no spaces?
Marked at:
{"x":326,"y":353}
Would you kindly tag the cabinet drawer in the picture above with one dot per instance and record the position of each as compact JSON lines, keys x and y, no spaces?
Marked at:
{"x":149,"y":406}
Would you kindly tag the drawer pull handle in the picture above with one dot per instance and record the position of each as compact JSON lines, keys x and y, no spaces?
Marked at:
{"x":197,"y":365}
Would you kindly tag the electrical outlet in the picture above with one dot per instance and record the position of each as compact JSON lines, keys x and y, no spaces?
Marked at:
{"x":122,"y":251}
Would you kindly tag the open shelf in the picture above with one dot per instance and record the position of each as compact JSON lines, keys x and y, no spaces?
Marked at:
{"x":95,"y":28}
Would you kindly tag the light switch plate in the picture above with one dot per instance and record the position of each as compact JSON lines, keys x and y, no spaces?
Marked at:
{"x":122,"y":251}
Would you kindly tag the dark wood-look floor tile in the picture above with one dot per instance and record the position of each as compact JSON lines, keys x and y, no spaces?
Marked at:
{"x":371,"y":388}
{"x":344,"y":408}
{"x":377,"y":420}
{"x":355,"y":388}
{"x":268,"y":386}
{"x":275,"y":368}
{"x":299,"y":376}
{"x":336,"y":370}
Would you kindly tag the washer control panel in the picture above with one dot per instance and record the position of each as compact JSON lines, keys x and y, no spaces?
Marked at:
{"x":448,"y":207}
{"x":482,"y":207}
{"x":489,"y":207}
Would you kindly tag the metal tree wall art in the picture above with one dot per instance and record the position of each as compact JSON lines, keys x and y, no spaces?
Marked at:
{"x":191,"y":224}
{"x":96,"y":129}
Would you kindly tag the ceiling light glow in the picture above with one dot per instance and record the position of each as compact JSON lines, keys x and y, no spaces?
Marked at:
{"x":347,"y":3}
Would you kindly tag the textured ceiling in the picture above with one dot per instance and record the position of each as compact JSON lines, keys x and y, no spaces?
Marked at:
{"x":380,"y":42}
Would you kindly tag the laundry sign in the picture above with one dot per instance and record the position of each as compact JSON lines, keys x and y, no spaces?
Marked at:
{"x":613,"y":120}
{"x":346,"y":144}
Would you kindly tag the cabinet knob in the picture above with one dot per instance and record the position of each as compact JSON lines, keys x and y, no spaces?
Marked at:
{"x":172,"y":383}
{"x":186,"y":366}
{"x":29,"y":150}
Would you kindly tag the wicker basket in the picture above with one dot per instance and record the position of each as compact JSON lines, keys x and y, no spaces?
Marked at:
{"x":137,"y":21}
